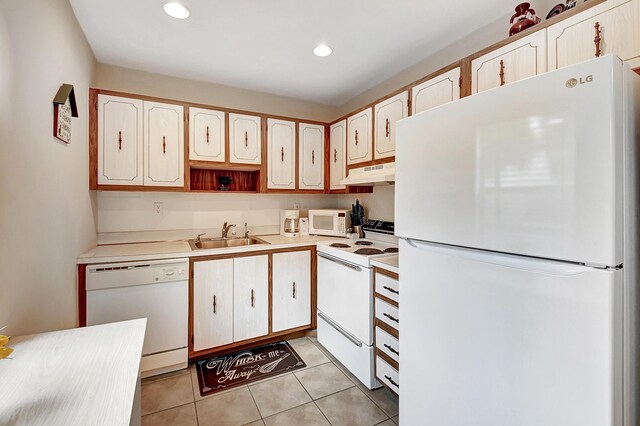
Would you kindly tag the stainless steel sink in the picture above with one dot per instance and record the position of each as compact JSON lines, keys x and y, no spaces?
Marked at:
{"x":213,"y":243}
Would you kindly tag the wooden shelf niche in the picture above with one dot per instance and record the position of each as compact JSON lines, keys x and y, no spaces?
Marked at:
{"x":206,"y":180}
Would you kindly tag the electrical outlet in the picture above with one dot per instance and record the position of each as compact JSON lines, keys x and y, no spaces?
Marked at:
{"x":157,"y":207}
{"x":296,"y":206}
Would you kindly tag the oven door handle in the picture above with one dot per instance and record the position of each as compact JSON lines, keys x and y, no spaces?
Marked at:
{"x":340,"y":330}
{"x":341,"y":262}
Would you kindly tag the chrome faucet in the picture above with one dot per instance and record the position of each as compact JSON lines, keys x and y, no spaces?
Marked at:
{"x":225,"y":229}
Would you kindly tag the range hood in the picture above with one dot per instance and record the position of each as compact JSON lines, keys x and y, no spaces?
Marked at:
{"x":381,"y":174}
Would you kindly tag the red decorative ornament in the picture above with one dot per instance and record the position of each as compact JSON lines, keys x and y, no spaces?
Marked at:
{"x":524,"y":18}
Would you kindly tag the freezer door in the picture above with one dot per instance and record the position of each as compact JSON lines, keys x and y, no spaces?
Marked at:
{"x":533,"y":168}
{"x":503,"y":340}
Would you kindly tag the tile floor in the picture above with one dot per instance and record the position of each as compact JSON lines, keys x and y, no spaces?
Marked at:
{"x":324,"y":393}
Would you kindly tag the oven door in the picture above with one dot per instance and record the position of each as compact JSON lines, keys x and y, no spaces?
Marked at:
{"x":345,"y":295}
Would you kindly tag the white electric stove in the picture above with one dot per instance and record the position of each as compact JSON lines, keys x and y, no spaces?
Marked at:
{"x":345,"y":297}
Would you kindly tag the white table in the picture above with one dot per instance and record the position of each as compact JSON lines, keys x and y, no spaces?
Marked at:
{"x":82,"y":376}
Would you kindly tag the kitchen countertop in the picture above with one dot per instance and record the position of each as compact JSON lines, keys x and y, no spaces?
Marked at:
{"x":390,"y":263}
{"x":180,"y":249}
{"x":81,"y":376}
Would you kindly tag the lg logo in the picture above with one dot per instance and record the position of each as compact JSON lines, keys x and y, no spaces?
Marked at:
{"x":573,"y":82}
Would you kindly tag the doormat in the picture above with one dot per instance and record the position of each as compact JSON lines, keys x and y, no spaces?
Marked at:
{"x":247,"y":366}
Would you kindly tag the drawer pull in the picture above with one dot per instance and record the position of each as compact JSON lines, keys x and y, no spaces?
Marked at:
{"x":597,"y":40}
{"x":390,"y":289}
{"x":391,"y":349}
{"x":120,"y":141}
{"x":501,"y":72}
{"x":391,"y":381}
{"x":391,"y":318}
{"x":214,"y":304}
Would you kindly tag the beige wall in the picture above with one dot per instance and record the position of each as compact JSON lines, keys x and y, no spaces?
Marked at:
{"x":144,"y":83}
{"x":46,"y":210}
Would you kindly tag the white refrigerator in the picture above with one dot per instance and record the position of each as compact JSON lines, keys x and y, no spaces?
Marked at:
{"x":517,"y":213}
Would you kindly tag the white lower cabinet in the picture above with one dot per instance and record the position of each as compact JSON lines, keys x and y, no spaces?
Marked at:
{"x":250,"y":297}
{"x":212,"y":303}
{"x":291,"y":290}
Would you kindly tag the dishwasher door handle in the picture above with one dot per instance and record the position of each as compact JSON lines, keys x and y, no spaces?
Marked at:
{"x":341,"y":330}
{"x":341,"y":262}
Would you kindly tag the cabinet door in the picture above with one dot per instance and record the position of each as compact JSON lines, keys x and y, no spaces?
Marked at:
{"x":250,"y":297}
{"x":163,"y":144}
{"x":387,"y":113}
{"x":337,"y":160}
{"x":436,"y":91}
{"x":119,"y":141}
{"x":359,"y":137}
{"x":245,"y":141}
{"x":311,"y":157}
{"x":212,"y":303}
{"x":521,"y":59}
{"x":281,"y":149}
{"x":206,"y":135}
{"x":574,"y":39}
{"x":291,"y":290}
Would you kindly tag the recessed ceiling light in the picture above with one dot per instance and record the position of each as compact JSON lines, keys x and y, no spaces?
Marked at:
{"x":322,"y":50}
{"x":176,"y":10}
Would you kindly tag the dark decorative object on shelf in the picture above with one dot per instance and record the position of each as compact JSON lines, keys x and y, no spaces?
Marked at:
{"x":559,"y":8}
{"x":524,"y":18}
{"x":224,"y":182}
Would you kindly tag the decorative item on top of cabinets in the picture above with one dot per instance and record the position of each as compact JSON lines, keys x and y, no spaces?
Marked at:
{"x":64,"y":107}
{"x":523,"y":58}
{"x":281,"y":150}
{"x":337,"y":161}
{"x":359,"y":127}
{"x":387,"y":113}
{"x":559,"y":8}
{"x":245,"y":141}
{"x":206,"y":135}
{"x":311,"y":156}
{"x":436,"y":91}
{"x":526,"y":17}
{"x":224,"y":182}
{"x":163,"y":144}
{"x":611,"y":27}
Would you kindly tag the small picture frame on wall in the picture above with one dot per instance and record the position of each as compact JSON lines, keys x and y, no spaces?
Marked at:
{"x":64,"y":107}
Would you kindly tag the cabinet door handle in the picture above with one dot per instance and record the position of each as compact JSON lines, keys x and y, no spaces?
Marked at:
{"x":335,"y":155}
{"x":356,"y":138}
{"x":313,"y":156}
{"x":501,"y":72}
{"x":214,"y":304}
{"x":391,"y":349}
{"x":252,"y":299}
{"x":120,"y":141}
{"x":387,"y":128}
{"x":207,"y":134}
{"x":391,"y":381}
{"x":597,"y":40}
{"x":390,"y":289}
{"x":164,"y":145}
{"x":246,"y":139}
{"x":294,"y":289}
{"x":391,"y":318}
{"x":282,"y":154}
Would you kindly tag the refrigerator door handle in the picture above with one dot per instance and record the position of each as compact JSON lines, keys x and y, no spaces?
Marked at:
{"x":340,"y":330}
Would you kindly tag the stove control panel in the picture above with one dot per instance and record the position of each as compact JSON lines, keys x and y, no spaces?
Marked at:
{"x":379,"y":226}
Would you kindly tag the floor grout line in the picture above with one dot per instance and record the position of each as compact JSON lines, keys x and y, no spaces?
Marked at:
{"x":256,"y":404}
{"x":167,"y":409}
{"x":195,"y":407}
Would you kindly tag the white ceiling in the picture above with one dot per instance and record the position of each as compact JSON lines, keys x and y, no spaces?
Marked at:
{"x":266,"y":45}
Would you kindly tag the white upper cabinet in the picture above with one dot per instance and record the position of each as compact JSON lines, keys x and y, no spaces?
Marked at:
{"x":387,"y":113}
{"x":206,"y":135}
{"x":523,"y":58}
{"x":337,"y":160}
{"x":359,"y":127}
{"x":250,"y":297}
{"x":281,"y":150}
{"x":120,"y":160}
{"x":163,"y":144}
{"x":311,"y":156}
{"x":615,"y":23}
{"x":436,"y":91}
{"x":212,"y":303}
{"x":291,"y":290}
{"x":245,"y":141}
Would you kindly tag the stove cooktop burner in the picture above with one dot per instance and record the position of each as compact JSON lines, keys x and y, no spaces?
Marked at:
{"x":368,"y":251}
{"x":391,"y":250}
{"x":364,"y":243}
{"x":340,"y":245}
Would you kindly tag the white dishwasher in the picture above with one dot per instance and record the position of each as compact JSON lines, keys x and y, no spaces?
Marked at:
{"x":156,"y":290}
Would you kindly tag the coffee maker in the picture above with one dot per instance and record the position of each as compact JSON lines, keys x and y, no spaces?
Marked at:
{"x":289,"y":223}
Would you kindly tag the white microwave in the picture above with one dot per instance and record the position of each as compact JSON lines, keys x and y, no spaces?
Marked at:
{"x":333,"y":223}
